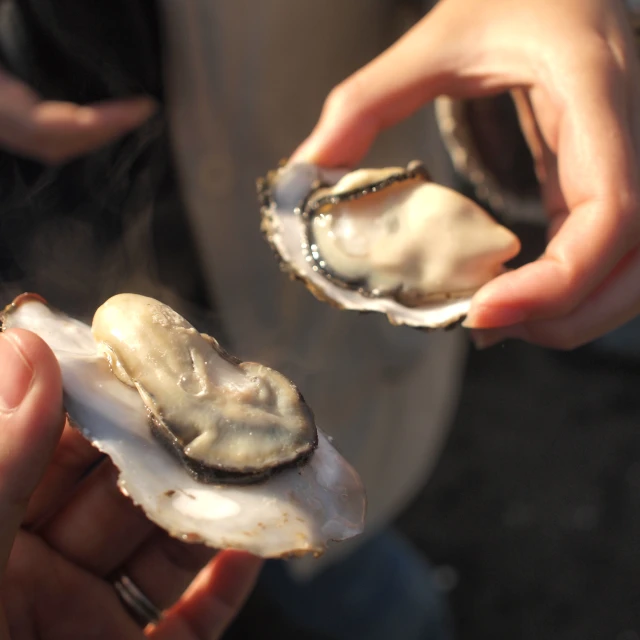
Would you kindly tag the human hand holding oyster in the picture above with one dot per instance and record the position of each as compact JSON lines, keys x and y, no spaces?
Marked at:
{"x":213,"y":451}
{"x":61,"y":539}
{"x":574,"y":69}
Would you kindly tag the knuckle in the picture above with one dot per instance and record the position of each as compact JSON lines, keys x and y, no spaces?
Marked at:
{"x":336,"y":99}
{"x":343,"y":97}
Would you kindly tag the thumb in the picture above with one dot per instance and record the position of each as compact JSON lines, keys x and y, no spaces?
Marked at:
{"x":31,"y":422}
{"x":440,"y":55}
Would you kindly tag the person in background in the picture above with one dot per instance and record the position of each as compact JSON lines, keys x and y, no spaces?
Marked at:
{"x":239,"y":88}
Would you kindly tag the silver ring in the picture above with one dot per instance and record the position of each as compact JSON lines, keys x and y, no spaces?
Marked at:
{"x":135,"y":602}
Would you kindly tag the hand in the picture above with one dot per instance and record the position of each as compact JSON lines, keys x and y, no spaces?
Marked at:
{"x":575,"y":65}
{"x":64,"y":530}
{"x":55,"y":132}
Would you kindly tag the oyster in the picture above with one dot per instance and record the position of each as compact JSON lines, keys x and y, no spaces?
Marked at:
{"x":386,"y":240}
{"x":226,"y":420}
{"x":308,"y":494}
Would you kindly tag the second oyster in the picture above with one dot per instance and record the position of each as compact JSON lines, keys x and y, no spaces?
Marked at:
{"x":385,"y":240}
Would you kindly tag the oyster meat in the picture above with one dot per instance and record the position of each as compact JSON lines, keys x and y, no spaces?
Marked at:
{"x":386,"y":240}
{"x":214,"y":450}
{"x":227,"y":420}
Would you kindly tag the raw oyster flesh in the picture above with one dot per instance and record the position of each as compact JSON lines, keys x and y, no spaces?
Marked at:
{"x":227,"y":420}
{"x":308,"y":494}
{"x":386,"y":240}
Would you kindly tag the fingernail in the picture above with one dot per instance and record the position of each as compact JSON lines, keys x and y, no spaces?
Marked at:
{"x":16,"y":374}
{"x":486,"y":316}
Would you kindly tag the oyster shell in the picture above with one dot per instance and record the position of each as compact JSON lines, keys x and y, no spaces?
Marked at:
{"x":298,"y":510}
{"x":386,"y":240}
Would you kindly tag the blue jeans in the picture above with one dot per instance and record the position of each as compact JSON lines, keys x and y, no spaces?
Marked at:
{"x":384,"y":591}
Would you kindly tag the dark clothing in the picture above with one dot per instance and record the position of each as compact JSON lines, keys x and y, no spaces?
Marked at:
{"x":112,"y":220}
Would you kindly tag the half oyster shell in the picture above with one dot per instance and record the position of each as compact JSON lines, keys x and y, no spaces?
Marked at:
{"x":385,"y":240}
{"x":297,"y":510}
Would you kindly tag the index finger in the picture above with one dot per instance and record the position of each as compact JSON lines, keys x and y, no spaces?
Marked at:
{"x":421,"y":65}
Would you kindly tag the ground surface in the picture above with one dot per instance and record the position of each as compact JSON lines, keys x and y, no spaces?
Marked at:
{"x":533,"y":514}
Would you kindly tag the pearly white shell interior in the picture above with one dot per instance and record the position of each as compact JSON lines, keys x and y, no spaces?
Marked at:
{"x":294,"y":512}
{"x":287,"y":234}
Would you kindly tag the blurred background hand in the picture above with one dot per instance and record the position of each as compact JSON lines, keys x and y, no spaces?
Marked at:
{"x":54,"y":131}
{"x":64,"y":532}
{"x":573,"y":67}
